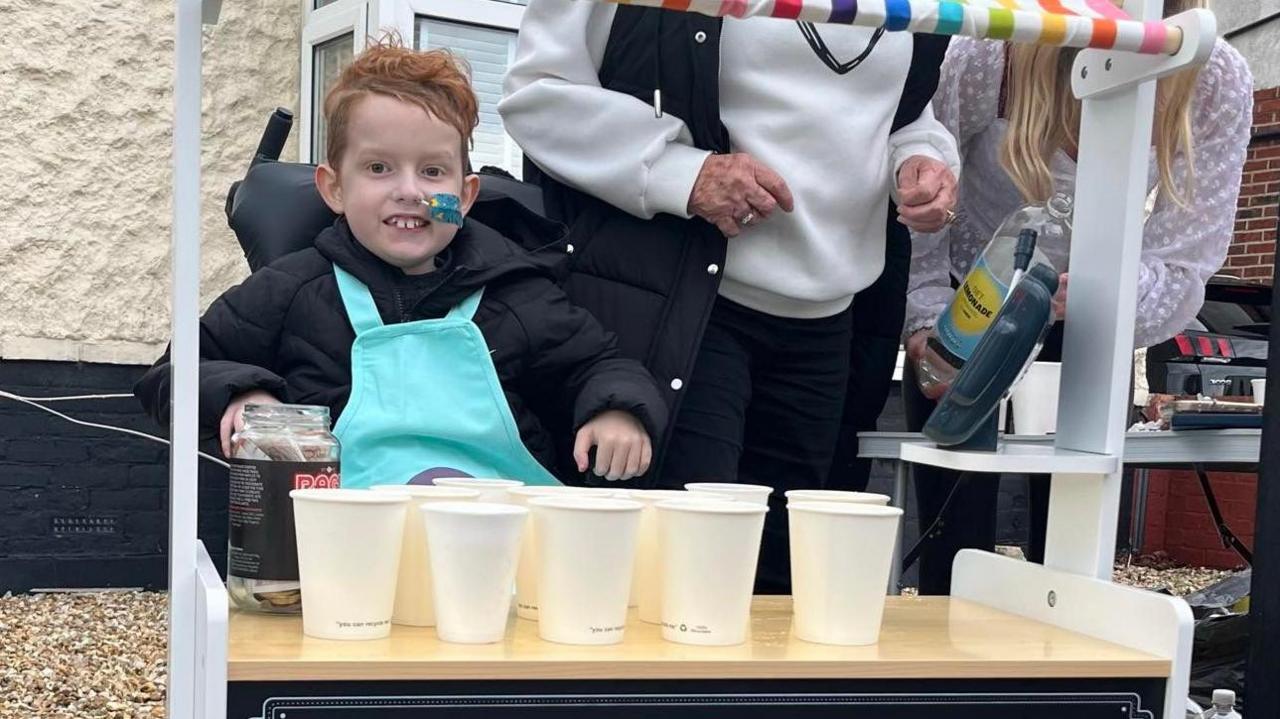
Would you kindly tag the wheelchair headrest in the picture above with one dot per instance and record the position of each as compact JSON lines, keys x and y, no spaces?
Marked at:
{"x":277,"y":210}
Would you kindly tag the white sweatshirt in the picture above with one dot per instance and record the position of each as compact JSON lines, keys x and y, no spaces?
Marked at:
{"x":826,"y":134}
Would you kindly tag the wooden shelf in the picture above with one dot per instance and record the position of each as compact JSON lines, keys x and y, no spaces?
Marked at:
{"x":932,"y":637}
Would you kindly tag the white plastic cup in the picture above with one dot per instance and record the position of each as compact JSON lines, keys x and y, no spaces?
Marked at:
{"x":473,"y":547}
{"x":754,"y":493}
{"x":586,"y":550}
{"x":1035,"y":399}
{"x":527,"y":571}
{"x":832,"y":495}
{"x":646,"y":586}
{"x":414,"y":605}
{"x":491,"y":490}
{"x":841,"y":554}
{"x":1259,"y":390}
{"x":348,"y":587}
{"x":708,"y":554}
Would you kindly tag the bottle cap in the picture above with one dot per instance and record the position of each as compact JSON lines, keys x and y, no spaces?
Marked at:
{"x":1224,"y":698}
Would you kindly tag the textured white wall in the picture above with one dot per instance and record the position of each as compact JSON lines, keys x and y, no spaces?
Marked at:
{"x":86,"y":106}
{"x":1260,"y":46}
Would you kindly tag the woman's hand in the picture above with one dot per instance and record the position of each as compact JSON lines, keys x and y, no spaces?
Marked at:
{"x":926,"y":194}
{"x":915,"y":352}
{"x":623,"y":449}
{"x":233,"y":417}
{"x":736,"y":190}
{"x":1060,"y":298}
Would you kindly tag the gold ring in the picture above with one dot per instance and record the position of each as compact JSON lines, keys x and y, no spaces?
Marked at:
{"x":951,"y":217}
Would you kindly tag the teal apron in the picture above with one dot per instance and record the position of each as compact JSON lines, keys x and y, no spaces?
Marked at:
{"x":425,"y":401}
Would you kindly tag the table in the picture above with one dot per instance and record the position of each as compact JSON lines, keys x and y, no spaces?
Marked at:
{"x":1143,"y":449}
{"x":937,"y":657}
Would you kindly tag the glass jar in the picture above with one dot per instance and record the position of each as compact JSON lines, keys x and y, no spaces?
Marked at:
{"x":282,"y":447}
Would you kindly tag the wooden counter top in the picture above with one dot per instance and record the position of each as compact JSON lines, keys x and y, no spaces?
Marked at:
{"x":931,"y":637}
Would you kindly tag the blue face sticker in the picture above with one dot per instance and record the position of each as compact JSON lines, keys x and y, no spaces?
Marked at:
{"x":445,"y":207}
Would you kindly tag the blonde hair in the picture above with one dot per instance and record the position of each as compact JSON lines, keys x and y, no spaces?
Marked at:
{"x":1044,"y":117}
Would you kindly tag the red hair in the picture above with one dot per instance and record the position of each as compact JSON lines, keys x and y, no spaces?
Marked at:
{"x":437,"y":81}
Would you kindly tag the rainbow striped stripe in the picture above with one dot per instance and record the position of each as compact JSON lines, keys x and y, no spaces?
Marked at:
{"x":1072,"y":23}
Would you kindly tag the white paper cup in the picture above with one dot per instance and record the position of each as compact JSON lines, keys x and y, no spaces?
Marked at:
{"x":832,"y":495}
{"x":1259,"y":390}
{"x":473,"y":548}
{"x":1035,"y":399}
{"x":646,"y":587}
{"x":414,"y":605}
{"x":527,"y":571}
{"x":348,"y":587}
{"x":491,"y":490}
{"x":586,"y":550}
{"x":708,"y":554}
{"x":841,"y":553}
{"x":755,"y":493}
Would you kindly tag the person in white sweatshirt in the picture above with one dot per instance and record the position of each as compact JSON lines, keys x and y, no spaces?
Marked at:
{"x":727,"y":184}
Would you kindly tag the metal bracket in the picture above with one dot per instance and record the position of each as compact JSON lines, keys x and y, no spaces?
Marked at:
{"x":1097,"y":73}
{"x":209,"y":11}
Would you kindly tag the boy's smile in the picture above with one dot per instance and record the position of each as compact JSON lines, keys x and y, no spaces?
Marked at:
{"x":397,"y":154}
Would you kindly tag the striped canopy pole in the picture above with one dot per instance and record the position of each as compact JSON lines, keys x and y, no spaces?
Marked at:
{"x":1068,"y":23}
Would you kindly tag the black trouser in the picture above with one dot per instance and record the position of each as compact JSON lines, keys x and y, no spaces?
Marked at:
{"x":763,"y":407}
{"x":878,"y":314}
{"x":970,"y":519}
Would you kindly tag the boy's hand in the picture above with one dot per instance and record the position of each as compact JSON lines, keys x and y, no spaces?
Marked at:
{"x":233,"y":418}
{"x":623,"y":449}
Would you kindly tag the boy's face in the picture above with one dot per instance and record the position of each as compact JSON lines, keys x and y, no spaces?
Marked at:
{"x":397,"y":154}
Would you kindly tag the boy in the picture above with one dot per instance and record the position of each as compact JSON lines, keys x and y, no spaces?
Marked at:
{"x":421,"y":331}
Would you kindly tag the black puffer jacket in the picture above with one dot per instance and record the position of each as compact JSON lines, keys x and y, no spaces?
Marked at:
{"x":284,"y":330}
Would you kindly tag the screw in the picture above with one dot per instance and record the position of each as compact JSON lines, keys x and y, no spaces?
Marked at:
{"x":1108,"y":64}
{"x":1053,"y":598}
{"x":1084,"y":72}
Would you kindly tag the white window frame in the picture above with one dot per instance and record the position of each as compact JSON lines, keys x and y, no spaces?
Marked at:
{"x":360,"y":16}
{"x":320,"y":26}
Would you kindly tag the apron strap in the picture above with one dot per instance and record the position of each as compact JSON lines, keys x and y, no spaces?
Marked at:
{"x":361,"y":310}
{"x":466,"y":309}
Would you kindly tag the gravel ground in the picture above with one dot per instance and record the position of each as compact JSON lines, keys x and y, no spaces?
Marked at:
{"x":102,"y":655}
{"x":99,"y":655}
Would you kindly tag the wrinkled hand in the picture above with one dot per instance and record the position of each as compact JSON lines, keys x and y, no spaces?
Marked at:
{"x":734,"y":187}
{"x":926,"y":193}
{"x":915,"y":353}
{"x":233,"y":418}
{"x":1060,"y":298}
{"x":623,"y":449}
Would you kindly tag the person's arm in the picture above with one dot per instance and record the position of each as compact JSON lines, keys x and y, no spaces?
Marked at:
{"x":927,"y":137}
{"x":238,"y":339}
{"x":1183,"y":246}
{"x":965,"y":103}
{"x":605,"y":143}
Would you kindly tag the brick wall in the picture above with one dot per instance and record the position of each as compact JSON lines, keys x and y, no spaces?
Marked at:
{"x":1253,"y":249}
{"x":83,"y":507}
{"x":1178,"y":519}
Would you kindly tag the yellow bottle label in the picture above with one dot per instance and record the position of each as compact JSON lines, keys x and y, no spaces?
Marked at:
{"x":972,"y":311}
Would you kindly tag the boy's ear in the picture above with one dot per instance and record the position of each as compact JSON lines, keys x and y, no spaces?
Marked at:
{"x":470,"y":191}
{"x":329,"y":187}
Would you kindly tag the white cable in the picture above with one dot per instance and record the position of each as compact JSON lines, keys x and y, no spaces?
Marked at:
{"x":36,"y":403}
{"x":74,"y":397}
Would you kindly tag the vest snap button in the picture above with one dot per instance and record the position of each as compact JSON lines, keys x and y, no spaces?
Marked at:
{"x":713,"y":269}
{"x":677,"y":383}
{"x":569,"y":249}
{"x":699,"y":37}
